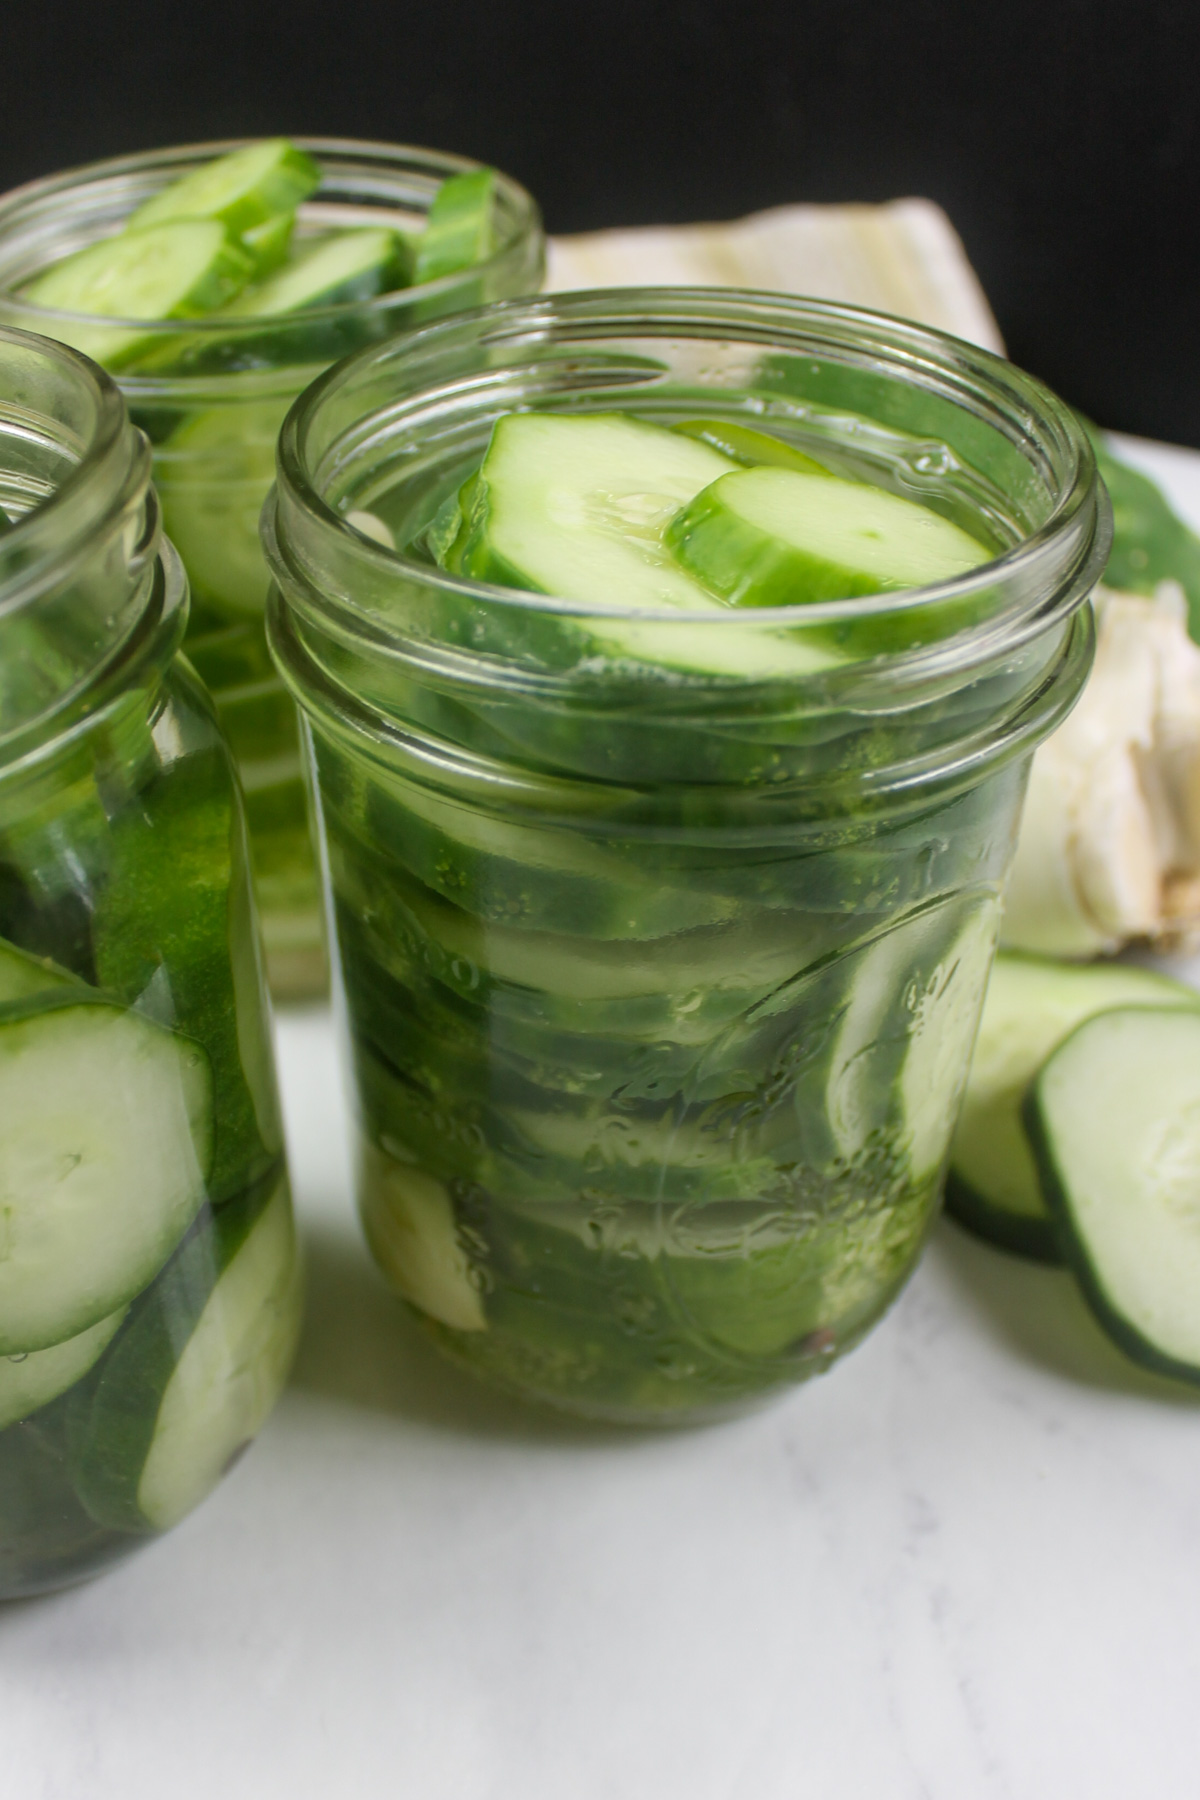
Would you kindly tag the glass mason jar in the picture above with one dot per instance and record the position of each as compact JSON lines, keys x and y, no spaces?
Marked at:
{"x":149,"y":1283}
{"x":662,"y":938}
{"x":211,"y":400}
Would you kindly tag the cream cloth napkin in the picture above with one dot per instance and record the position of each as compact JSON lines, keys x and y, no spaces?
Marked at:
{"x":904,"y":257}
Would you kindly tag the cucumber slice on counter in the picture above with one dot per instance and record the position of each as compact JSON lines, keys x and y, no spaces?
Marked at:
{"x":106,"y":1143}
{"x":742,"y":444}
{"x":268,"y":244}
{"x":1031,"y":1006}
{"x":577,"y":507}
{"x":179,"y":270}
{"x":1114,"y":1118}
{"x":196,"y":1370}
{"x":459,"y":229}
{"x":348,"y":266}
{"x":31,"y":1380}
{"x":776,"y":537}
{"x":241,"y":189}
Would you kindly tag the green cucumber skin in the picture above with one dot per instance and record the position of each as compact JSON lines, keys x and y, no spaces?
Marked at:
{"x":1055,"y":1193}
{"x":1035,"y":1239}
{"x":114,"y":1412}
{"x":194,"y":848}
{"x":754,"y":449}
{"x":458,"y":230}
{"x":284,"y":180}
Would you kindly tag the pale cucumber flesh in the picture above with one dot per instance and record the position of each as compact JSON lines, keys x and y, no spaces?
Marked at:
{"x":1115,"y":1117}
{"x":1030,"y":1007}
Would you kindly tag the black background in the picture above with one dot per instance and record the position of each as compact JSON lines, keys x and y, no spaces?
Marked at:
{"x":1062,"y":136}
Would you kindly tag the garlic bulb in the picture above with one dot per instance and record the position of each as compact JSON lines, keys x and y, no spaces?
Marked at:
{"x":1109,"y":846}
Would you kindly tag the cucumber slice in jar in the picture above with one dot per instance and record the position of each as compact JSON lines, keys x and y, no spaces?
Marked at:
{"x":212,"y":475}
{"x":23,"y":975}
{"x":106,"y":1143}
{"x":578,"y":507}
{"x":754,"y":449}
{"x":1114,"y":1119}
{"x":268,"y":244}
{"x":1031,"y":1006}
{"x":179,"y":270}
{"x":904,"y":1041}
{"x":348,"y":266}
{"x":459,"y":230}
{"x":31,"y":1380}
{"x":241,"y":189}
{"x":172,"y":929}
{"x":775,"y":537}
{"x":199,"y":1365}
{"x":408,"y":1217}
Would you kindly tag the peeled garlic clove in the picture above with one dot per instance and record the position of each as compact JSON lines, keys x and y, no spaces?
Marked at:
{"x":1110,"y":838}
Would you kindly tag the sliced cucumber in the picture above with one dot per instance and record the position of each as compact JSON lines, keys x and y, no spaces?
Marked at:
{"x":1031,"y":1006}
{"x":459,"y":230}
{"x":1114,"y":1118}
{"x":904,"y":1042}
{"x":172,"y":931}
{"x":212,"y":475}
{"x":268,"y":244}
{"x":197,"y":1369}
{"x":106,"y":1143}
{"x":241,"y":189}
{"x":179,"y":270}
{"x":31,"y":1380}
{"x":777,"y":537}
{"x":350,"y":265}
{"x":577,"y":507}
{"x":22,"y":975}
{"x":755,"y":449}
{"x":408,"y":1217}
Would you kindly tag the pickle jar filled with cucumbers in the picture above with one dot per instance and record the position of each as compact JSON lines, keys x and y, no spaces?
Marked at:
{"x":214,"y":282}
{"x":671,"y":664}
{"x":149,"y":1284}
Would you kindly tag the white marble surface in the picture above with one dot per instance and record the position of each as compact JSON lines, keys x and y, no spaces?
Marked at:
{"x":964,"y":1564}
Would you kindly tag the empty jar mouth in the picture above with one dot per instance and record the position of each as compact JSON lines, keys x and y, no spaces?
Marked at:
{"x":362,"y":183}
{"x":398,"y":426}
{"x":85,"y":589}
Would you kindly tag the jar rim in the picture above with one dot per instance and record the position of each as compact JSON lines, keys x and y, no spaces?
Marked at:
{"x":1079,"y":509}
{"x":112,"y":466}
{"x":89,"y":549}
{"x":518,"y":209}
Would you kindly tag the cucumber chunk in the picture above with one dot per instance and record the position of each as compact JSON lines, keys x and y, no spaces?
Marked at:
{"x":1031,"y":1006}
{"x":195,"y":1372}
{"x":106,"y":1143}
{"x":577,"y":507}
{"x":459,"y":229}
{"x":31,"y":1380}
{"x":755,"y":449}
{"x":1114,"y":1118}
{"x":351,"y":265}
{"x":776,"y":537}
{"x":178,"y":270}
{"x":241,"y":190}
